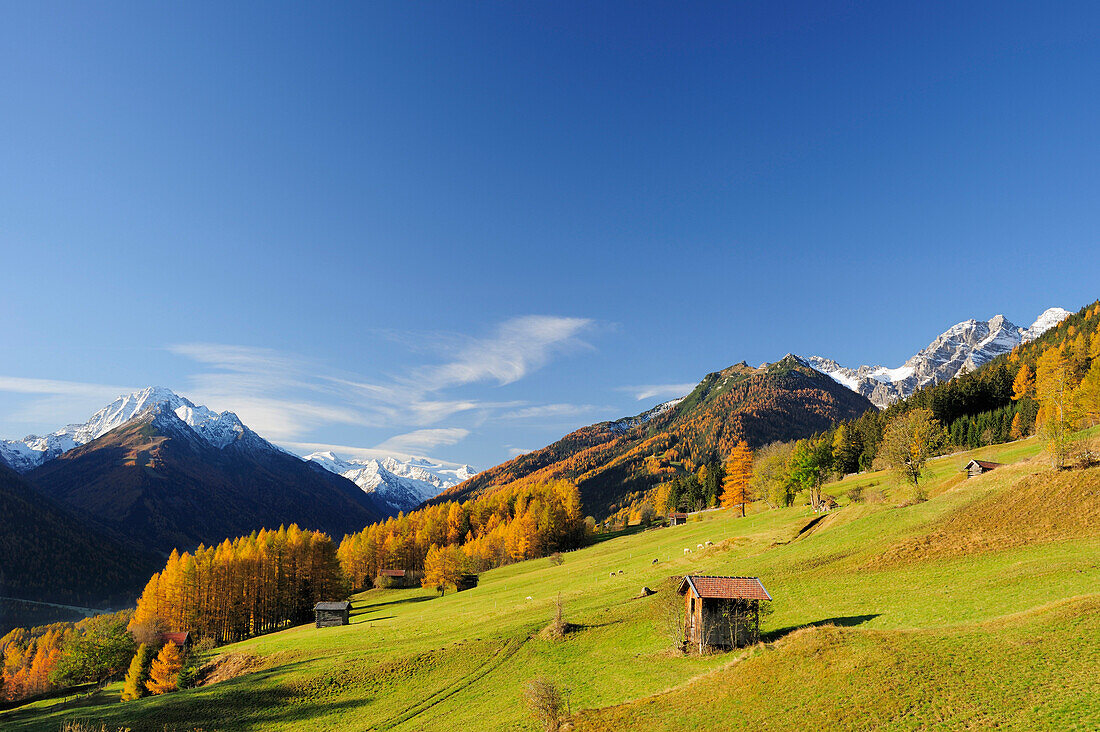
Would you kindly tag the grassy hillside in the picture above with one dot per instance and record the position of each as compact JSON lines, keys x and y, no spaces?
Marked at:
{"x":975,"y":609}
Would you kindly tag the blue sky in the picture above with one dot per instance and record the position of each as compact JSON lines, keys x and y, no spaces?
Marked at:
{"x":464,"y":229}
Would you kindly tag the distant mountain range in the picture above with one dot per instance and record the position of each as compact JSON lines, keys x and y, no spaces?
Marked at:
{"x":394,"y":484}
{"x":162,"y":472}
{"x":400,"y":485}
{"x":611,"y":462}
{"x":962,"y":348}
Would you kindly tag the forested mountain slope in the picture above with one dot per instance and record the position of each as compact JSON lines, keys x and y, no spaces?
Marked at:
{"x":50,"y":554}
{"x":610,"y":461}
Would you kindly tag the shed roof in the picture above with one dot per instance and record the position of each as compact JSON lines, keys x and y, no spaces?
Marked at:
{"x":180,"y":639}
{"x":677,"y":515}
{"x":392,"y":573}
{"x":342,"y":605}
{"x":984,"y":464}
{"x":726,"y":588}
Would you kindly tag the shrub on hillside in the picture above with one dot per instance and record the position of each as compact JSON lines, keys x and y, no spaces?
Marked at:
{"x":547,"y":703}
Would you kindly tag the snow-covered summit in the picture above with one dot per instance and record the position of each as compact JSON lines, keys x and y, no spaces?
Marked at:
{"x":217,"y":429}
{"x":401,"y":484}
{"x":1050,"y":318}
{"x":960,"y":349}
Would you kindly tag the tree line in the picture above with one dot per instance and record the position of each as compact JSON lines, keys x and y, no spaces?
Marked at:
{"x":520,"y":521}
{"x":255,"y":584}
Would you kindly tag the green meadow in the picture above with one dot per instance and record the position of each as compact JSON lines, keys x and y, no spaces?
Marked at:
{"x":976,"y":609}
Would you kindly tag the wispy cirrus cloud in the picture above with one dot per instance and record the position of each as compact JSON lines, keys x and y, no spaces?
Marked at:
{"x":286,"y":396}
{"x":518,"y":346}
{"x":420,"y":440}
{"x":543,"y":411}
{"x":56,"y":401}
{"x":654,"y":391}
{"x":20,"y":385}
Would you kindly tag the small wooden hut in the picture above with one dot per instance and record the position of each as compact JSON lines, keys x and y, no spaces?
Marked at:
{"x":974,"y":468}
{"x":183,"y":640}
{"x":722,"y":612}
{"x":466,"y":582}
{"x":329,"y":614}
{"x":676,"y":519}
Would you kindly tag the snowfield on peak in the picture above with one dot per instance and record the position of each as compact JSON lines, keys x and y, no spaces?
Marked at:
{"x":400,"y":484}
{"x":219,"y":429}
{"x":960,"y":349}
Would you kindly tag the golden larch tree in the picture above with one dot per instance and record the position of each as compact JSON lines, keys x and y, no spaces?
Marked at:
{"x":1054,"y":387}
{"x":165,"y":671}
{"x":735,"y":486}
{"x":1023,"y":384}
{"x":1016,"y":431}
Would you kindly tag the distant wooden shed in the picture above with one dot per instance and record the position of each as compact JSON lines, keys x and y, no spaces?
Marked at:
{"x":328,"y":614}
{"x":675,"y":519}
{"x":721,"y":612}
{"x":183,"y":640}
{"x":974,"y":468}
{"x":466,"y":582}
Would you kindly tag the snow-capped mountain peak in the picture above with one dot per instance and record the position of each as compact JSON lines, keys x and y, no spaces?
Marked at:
{"x":219,"y":429}
{"x":960,"y":349}
{"x":1050,"y":318}
{"x":402,"y":484}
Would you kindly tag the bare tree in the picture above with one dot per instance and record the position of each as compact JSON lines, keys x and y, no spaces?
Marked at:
{"x":546,"y":702}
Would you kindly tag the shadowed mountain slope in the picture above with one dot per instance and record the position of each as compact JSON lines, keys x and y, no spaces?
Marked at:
{"x":158,"y":481}
{"x":50,"y":554}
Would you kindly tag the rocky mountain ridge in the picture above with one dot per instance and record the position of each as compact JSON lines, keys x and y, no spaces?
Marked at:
{"x":960,"y":349}
{"x":400,"y":484}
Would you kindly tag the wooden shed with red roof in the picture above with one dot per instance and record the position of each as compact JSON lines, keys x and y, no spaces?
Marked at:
{"x":974,"y":468}
{"x":676,"y":519}
{"x":721,"y":612}
{"x":183,"y":640}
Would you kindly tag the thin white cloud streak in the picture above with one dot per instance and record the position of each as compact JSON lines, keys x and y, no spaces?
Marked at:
{"x":543,"y":411}
{"x":55,"y":401}
{"x":652,"y":391}
{"x":20,"y":385}
{"x":517,"y":451}
{"x":519,"y":346}
{"x":424,"y":439}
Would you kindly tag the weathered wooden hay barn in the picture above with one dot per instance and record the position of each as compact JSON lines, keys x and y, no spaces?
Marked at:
{"x":183,"y":640}
{"x":722,"y":612}
{"x":466,"y":582}
{"x":974,"y":468}
{"x":676,"y":519}
{"x":328,"y":614}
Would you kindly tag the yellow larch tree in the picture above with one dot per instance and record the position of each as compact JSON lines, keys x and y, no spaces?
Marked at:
{"x":164,"y":673}
{"x":1023,"y":384}
{"x":735,"y":486}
